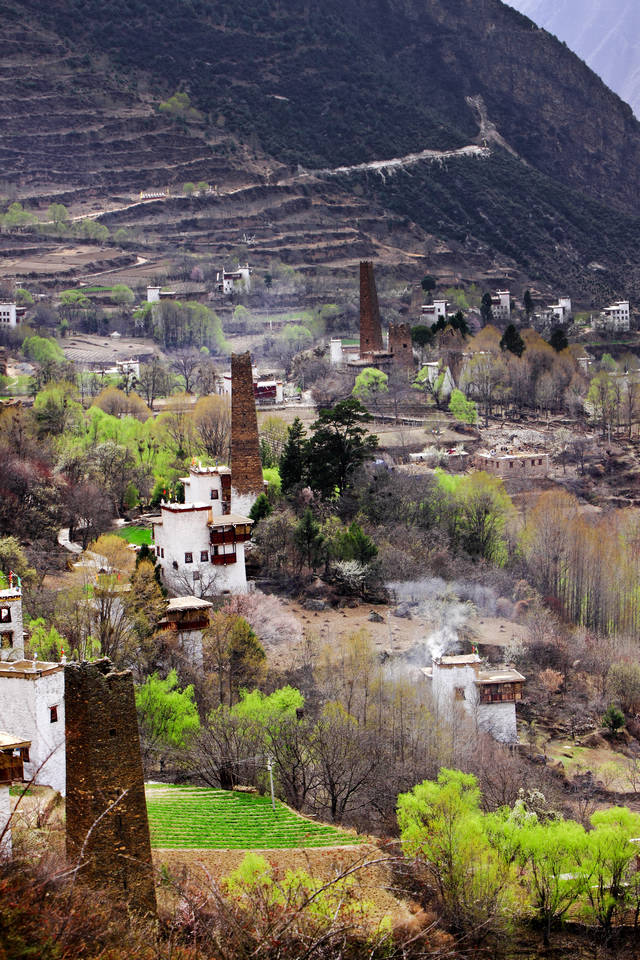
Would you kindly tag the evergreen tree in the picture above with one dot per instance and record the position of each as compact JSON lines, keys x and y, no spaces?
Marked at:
{"x":261,"y":509}
{"x":528,"y":303}
{"x":558,"y":340}
{"x":339,"y":445}
{"x":486,"y":310}
{"x":512,"y":341}
{"x":294,"y":456}
{"x":309,"y":540}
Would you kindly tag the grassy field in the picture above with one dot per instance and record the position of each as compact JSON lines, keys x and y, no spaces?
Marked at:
{"x":198,"y":818}
{"x":136,"y":535}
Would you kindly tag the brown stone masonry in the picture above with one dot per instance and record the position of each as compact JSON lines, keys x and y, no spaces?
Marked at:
{"x":104,"y":764}
{"x":400,"y":344}
{"x":370,"y":329}
{"x":246,"y":466}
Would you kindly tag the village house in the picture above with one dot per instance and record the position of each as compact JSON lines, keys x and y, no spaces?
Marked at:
{"x":200,"y":544}
{"x":615,"y":319}
{"x":8,"y":315}
{"x":266,"y":390}
{"x":501,"y":305}
{"x":234,"y":281}
{"x":14,"y":752}
{"x":432,"y":312}
{"x":513,"y":465}
{"x":188,"y":617}
{"x":487,"y":696}
{"x":32,"y":707}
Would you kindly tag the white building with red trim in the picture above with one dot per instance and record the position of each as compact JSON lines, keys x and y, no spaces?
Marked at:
{"x":200,"y":544}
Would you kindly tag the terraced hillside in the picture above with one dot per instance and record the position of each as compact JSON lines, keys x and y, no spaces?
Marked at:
{"x":184,"y":818}
{"x":307,"y":119}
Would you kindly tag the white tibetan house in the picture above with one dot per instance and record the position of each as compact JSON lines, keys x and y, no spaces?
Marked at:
{"x":200,"y":544}
{"x":488,"y":696}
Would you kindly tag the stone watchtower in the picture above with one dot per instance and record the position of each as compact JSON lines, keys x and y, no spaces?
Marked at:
{"x":370,"y":329}
{"x":400,"y":344}
{"x":11,"y":635}
{"x":246,"y":466}
{"x":107,"y":826}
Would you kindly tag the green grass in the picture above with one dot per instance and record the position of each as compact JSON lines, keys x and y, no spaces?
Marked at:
{"x":200,"y":818}
{"x":136,"y":535}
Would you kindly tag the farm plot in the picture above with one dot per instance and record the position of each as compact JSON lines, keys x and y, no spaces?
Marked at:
{"x":199,"y":818}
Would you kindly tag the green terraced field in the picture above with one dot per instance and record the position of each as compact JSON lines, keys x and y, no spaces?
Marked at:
{"x":136,"y":535}
{"x":198,"y":818}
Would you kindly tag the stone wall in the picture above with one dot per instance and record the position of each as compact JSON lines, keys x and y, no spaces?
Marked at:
{"x":370,"y":329}
{"x":11,"y":632}
{"x":104,"y":766}
{"x":400,"y":344}
{"x":246,"y":466}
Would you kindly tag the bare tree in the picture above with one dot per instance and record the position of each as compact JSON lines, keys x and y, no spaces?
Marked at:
{"x":212,"y":420}
{"x":186,"y":364}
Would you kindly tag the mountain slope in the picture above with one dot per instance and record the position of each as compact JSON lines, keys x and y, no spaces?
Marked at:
{"x":289,"y":90}
{"x":604,"y":35}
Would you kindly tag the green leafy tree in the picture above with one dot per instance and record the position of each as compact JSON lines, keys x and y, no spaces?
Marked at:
{"x":442,"y":825}
{"x":604,"y":400}
{"x":44,"y":641}
{"x":339,"y":446}
{"x":167,"y":715}
{"x":23,"y":297}
{"x":234,"y":658}
{"x":371,"y":385}
{"x":466,"y":411}
{"x":428,"y":283}
{"x":480,"y":511}
{"x":14,"y":560}
{"x":188,"y":188}
{"x":610,"y":865}
{"x":512,"y":341}
{"x":293,"y":460}
{"x":179,"y":107}
{"x":551,"y":856}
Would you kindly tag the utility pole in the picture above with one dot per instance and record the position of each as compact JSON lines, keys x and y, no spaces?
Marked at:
{"x":270,"y":769}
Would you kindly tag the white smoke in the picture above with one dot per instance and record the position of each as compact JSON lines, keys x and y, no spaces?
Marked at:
{"x":447,"y":607}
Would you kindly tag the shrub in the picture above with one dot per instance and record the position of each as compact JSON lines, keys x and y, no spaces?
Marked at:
{"x":613,"y":719}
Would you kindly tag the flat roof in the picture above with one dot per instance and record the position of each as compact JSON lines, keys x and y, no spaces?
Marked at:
{"x":464,"y":658}
{"x":187,"y":603}
{"x":28,"y":668}
{"x":229,"y":519}
{"x":9,"y":741}
{"x":506,"y":675}
{"x":184,"y":507}
{"x":207,"y":471}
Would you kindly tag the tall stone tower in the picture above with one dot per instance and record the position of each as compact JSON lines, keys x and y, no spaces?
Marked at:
{"x":370,"y":329}
{"x":246,"y":466}
{"x":11,"y":634}
{"x":107,"y":826}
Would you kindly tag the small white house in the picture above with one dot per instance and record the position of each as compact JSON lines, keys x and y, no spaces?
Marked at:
{"x":153,"y":294}
{"x":32,"y":707}
{"x":234,"y":281}
{"x":501,"y":305}
{"x":200,"y":551}
{"x":8,"y":315}
{"x":432,"y":312}
{"x":616,"y":318}
{"x":188,"y":617}
{"x":488,"y":697}
{"x":11,"y":633}
{"x":335,"y":352}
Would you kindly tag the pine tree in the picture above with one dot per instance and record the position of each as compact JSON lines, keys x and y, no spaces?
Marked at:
{"x":293,"y":460}
{"x":512,"y":341}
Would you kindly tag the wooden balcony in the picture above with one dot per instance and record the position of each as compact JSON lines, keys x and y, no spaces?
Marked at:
{"x":223,"y":559}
